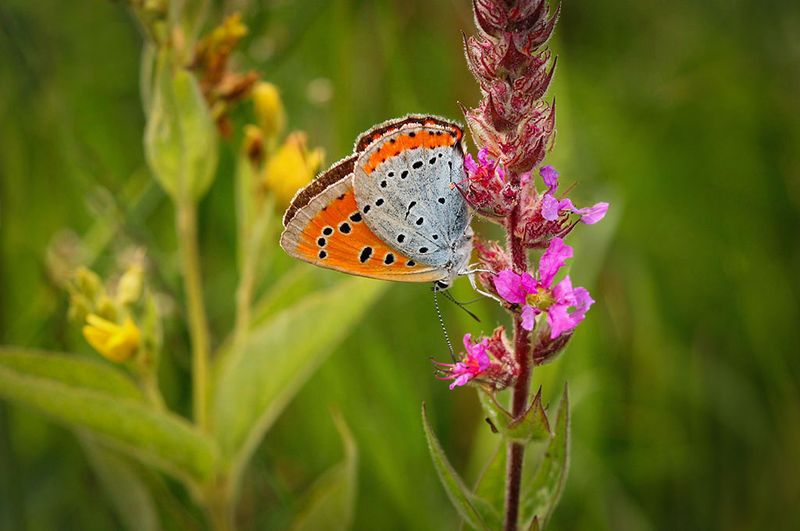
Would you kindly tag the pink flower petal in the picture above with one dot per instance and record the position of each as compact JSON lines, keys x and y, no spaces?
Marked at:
{"x":509,"y":286}
{"x":560,"y":320}
{"x":550,"y":177}
{"x":562,"y":292}
{"x":550,"y":207}
{"x":469,"y":163}
{"x":593,"y":214}
{"x":583,"y":301}
{"x":484,"y":159}
{"x":529,"y":283}
{"x":552,"y":260}
{"x":528,"y":317}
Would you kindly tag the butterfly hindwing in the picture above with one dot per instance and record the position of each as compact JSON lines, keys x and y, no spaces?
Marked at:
{"x":325,"y":227}
{"x":403,"y":182}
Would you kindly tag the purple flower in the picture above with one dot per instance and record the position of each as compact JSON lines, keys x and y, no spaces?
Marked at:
{"x":488,"y":360}
{"x":487,"y":189}
{"x":552,"y":208}
{"x":540,"y":295}
{"x":473,"y":363}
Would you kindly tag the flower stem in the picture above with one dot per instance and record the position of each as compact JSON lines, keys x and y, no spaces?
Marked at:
{"x":186,"y":224}
{"x":253,"y":243}
{"x":522,"y":354}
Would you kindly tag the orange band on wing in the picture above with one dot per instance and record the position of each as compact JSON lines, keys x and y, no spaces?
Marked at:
{"x":424,"y":138}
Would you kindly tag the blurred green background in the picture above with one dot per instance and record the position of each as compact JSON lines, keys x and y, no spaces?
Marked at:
{"x":685,"y":378}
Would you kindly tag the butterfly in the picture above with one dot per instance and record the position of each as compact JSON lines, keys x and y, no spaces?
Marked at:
{"x":391,"y":210}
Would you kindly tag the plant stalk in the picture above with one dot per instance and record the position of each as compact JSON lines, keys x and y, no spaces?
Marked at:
{"x":186,"y":224}
{"x":522,"y":354}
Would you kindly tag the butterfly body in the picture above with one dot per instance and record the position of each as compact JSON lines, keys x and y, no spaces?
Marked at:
{"x":390,"y":210}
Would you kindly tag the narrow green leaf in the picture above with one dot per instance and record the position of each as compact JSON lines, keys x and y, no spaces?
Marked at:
{"x":330,"y":503}
{"x":256,"y":384}
{"x":161,"y":439}
{"x":70,"y":370}
{"x":461,"y":498}
{"x":540,"y":495}
{"x":531,"y":426}
{"x":491,"y":484}
{"x":292,"y":286}
{"x":122,"y":484}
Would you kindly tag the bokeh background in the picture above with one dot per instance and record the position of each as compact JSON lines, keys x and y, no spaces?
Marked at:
{"x":685,"y":378}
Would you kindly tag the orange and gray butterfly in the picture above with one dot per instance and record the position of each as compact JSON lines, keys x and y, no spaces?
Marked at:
{"x":323,"y":226}
{"x":388,"y":211}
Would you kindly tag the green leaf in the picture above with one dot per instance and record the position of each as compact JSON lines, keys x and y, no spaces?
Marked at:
{"x":476,"y":512}
{"x":292,"y":286}
{"x":540,"y":495}
{"x":257,"y":383}
{"x":531,"y":426}
{"x":330,"y":503}
{"x":123,"y":485}
{"x":180,"y":137}
{"x":158,"y":438}
{"x":491,"y":486}
{"x":70,"y":370}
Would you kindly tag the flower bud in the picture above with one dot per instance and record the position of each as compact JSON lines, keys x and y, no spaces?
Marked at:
{"x":486,"y":187}
{"x":180,"y":137}
{"x":493,"y":259}
{"x":88,"y":284}
{"x":129,"y":288}
{"x":79,"y":308}
{"x":269,"y":110}
{"x":545,"y":348}
{"x":291,"y":167}
{"x":105,"y":307}
{"x":253,"y":145}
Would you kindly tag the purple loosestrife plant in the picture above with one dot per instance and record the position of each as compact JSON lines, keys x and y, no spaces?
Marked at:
{"x":513,"y":127}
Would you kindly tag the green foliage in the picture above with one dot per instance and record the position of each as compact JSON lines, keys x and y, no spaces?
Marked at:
{"x":476,"y":512}
{"x":180,"y":139}
{"x":541,"y":494}
{"x":127,"y":490}
{"x":257,"y":382}
{"x":156,"y":437}
{"x":330,"y":502}
{"x":531,"y":426}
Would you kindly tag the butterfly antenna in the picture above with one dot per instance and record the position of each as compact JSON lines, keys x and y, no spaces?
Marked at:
{"x":463,"y":305}
{"x":441,"y":322}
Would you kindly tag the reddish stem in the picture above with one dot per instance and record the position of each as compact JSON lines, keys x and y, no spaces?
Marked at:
{"x":522,"y":347}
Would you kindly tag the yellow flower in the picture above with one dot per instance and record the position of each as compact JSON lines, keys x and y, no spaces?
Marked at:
{"x":115,"y":342}
{"x":269,"y":110}
{"x":291,"y":167}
